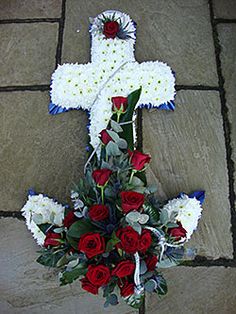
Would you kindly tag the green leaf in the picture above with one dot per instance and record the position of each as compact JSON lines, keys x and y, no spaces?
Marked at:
{"x":50,"y":259}
{"x":122,"y":144}
{"x":112,"y":242}
{"x":72,"y":242}
{"x":112,"y":299}
{"x":135,"y":300}
{"x":152,"y":213}
{"x":113,"y":135}
{"x":161,"y":285}
{"x":44,"y":227}
{"x":79,"y":228}
{"x":127,"y":133}
{"x":68,"y":277}
{"x":164,"y":217}
{"x":109,"y":288}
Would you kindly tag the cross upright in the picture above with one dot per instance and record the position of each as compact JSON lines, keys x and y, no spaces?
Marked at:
{"x":112,"y":71}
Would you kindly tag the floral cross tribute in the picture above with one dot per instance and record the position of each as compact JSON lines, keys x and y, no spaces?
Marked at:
{"x":115,"y":236}
{"x":112,"y":71}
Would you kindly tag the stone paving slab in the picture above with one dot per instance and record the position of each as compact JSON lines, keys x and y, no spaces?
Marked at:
{"x":188,"y":153}
{"x":198,"y":290}
{"x":178,"y":33}
{"x":27,"y":53}
{"x":227,"y":36}
{"x":224,"y":9}
{"x":38,"y":150}
{"x":27,"y":287}
{"x":23,"y":9}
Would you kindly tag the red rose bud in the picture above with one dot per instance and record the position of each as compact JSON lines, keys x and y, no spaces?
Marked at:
{"x":138,"y":160}
{"x":98,"y":275}
{"x":52,"y":239}
{"x":119,"y":103}
{"x":123,"y":269}
{"x":111,"y":29}
{"x":105,"y":137}
{"x":127,"y":289}
{"x":129,"y":239}
{"x":151,"y":262}
{"x":131,"y":200}
{"x":88,"y":286}
{"x":145,"y":241}
{"x":101,"y":176}
{"x":69,"y":219}
{"x":178,"y":232}
{"x":98,"y":212}
{"x":91,"y":244}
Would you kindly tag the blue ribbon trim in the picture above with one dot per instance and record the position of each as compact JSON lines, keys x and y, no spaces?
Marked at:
{"x":169,"y":105}
{"x":199,"y":195}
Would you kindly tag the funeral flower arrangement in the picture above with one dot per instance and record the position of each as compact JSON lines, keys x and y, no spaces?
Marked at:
{"x":116,"y":236}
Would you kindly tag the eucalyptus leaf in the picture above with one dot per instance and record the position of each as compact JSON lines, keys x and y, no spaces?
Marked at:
{"x":113,"y":300}
{"x":113,"y":135}
{"x":78,"y":214}
{"x":150,"y":285}
{"x":143,"y":267}
{"x":152,"y":188}
{"x":68,"y":277}
{"x":132,"y":216}
{"x":116,"y":127}
{"x":135,"y":300}
{"x":143,"y":219}
{"x":112,"y":149}
{"x":164,"y":217}
{"x":137,"y":182}
{"x":166,"y":263}
{"x":73,"y":263}
{"x":58,"y":230}
{"x":37,"y":218}
{"x":122,"y":144}
{"x":136,"y":226}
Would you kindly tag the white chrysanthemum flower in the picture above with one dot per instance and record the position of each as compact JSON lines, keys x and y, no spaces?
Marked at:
{"x":40,"y":209}
{"x":188,"y":212}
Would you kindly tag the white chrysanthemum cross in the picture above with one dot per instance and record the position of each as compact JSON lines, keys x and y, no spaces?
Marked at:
{"x":112,"y":71}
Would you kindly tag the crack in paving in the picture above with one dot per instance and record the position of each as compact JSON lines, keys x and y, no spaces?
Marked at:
{"x":36,"y":20}
{"x":61,"y":33}
{"x":23,"y":88}
{"x":226,"y":126}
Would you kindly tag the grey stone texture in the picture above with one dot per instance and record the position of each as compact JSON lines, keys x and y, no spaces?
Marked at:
{"x":199,"y":290}
{"x":224,"y":9}
{"x":188,"y":154}
{"x":29,"y":288}
{"x":176,"y":32}
{"x":227,"y":37}
{"x":24,"y":9}
{"x":38,"y":150}
{"x":27,"y":53}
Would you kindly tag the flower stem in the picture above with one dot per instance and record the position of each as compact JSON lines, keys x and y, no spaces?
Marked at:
{"x":118,"y":117}
{"x":102,"y":194}
{"x":131,"y":176}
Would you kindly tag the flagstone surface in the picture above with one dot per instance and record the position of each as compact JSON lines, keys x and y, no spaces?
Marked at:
{"x":224,"y":9}
{"x":27,"y":53}
{"x":15,"y":9}
{"x":176,"y":32}
{"x":188,"y":153}
{"x":199,"y":290}
{"x":27,"y":287}
{"x":227,"y":34}
{"x":38,"y":150}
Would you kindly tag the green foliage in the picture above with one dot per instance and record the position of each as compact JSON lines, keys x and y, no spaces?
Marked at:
{"x":127,"y":133}
{"x":68,"y":277}
{"x":79,"y":228}
{"x":49,"y":257}
{"x":112,"y":242}
{"x":153,"y":213}
{"x":135,"y":300}
{"x":44,"y":227}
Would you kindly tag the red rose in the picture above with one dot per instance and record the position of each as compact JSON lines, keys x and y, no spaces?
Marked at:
{"x":123,"y":269}
{"x":88,"y":286}
{"x":131,"y":201}
{"x":145,"y":241}
{"x":126,"y":289}
{"x":98,"y":275}
{"x":178,"y":232}
{"x":98,"y":212}
{"x":101,"y":176}
{"x":151,"y":262}
{"x":119,"y":103}
{"x":91,"y":244}
{"x":105,"y":137}
{"x":52,"y":239}
{"x":129,"y":239}
{"x":69,"y":219}
{"x":138,"y":159}
{"x":111,"y":29}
